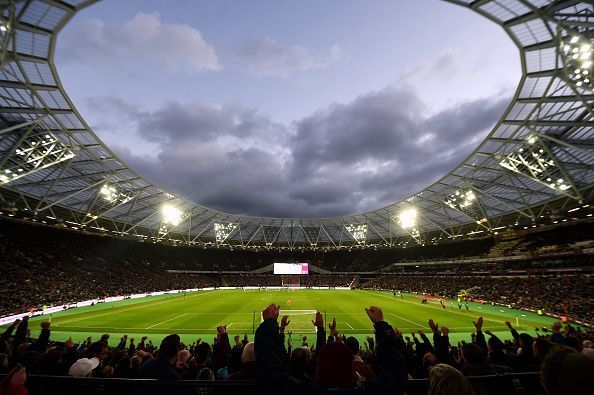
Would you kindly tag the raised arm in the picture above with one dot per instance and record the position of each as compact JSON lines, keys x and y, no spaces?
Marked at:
{"x":271,"y":375}
{"x":514,"y":332}
{"x":280,"y":344}
{"x":391,"y":363}
{"x":223,"y":348}
{"x":4,"y":336}
{"x":480,"y":337}
{"x":321,"y":332}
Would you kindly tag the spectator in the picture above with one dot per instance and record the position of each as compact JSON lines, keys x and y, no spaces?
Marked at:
{"x":248,"y":365}
{"x":445,"y":380}
{"x":273,"y":377}
{"x":566,"y":371}
{"x":359,"y":366}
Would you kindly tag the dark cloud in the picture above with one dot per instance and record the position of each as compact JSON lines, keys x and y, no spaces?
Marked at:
{"x":341,"y":160}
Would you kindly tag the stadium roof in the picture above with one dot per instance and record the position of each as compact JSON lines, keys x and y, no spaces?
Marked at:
{"x":538,"y":157}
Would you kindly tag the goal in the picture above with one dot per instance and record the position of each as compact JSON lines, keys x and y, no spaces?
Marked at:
{"x":300,"y":322}
{"x":291,"y":281}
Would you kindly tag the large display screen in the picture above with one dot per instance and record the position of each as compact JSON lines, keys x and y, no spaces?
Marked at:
{"x":291,"y":268}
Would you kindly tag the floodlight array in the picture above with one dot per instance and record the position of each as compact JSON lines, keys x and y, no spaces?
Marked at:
{"x":468,"y":203}
{"x":533,"y":159}
{"x":358,"y":231}
{"x":171,"y":216}
{"x":577,"y":55}
{"x":223,"y":230}
{"x":35,"y":152}
{"x":554,"y":101}
{"x":407,"y":219}
{"x":108,"y":197}
{"x":111,"y":194}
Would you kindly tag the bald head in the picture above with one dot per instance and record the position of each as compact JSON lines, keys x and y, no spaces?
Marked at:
{"x":248,"y":353}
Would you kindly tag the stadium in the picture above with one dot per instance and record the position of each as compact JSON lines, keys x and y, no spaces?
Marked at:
{"x":480,"y":283}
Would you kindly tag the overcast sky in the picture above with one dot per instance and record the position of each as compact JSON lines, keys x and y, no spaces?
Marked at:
{"x":283,"y":108}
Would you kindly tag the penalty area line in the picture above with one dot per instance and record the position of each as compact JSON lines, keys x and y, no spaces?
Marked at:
{"x":171,"y":319}
{"x":402,"y":318}
{"x":349,"y":325}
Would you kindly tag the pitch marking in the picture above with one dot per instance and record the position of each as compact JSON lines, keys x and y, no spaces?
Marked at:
{"x":121,"y":309}
{"x":437,"y":308}
{"x":171,"y":319}
{"x":402,"y":318}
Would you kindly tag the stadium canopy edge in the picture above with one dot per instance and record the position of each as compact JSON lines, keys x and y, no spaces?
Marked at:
{"x":535,"y":164}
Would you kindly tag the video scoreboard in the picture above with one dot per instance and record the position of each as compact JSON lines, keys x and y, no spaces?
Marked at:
{"x":291,"y":268}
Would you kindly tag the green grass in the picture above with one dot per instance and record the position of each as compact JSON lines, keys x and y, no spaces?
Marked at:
{"x":199,"y":313}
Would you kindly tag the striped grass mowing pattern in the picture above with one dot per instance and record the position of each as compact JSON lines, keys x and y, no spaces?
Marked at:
{"x":196,"y":315}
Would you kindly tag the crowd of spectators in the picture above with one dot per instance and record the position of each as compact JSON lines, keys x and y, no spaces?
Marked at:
{"x":41,"y":265}
{"x":566,"y":295}
{"x":44,"y":266}
{"x":585,"y":264}
{"x":34,"y":279}
{"x":272,"y":280}
{"x":284,"y":364}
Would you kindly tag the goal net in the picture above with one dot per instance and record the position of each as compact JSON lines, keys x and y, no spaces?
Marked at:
{"x":291,"y":281}
{"x":300,"y":322}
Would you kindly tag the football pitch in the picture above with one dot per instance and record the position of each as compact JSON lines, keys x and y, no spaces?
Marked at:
{"x":197,"y":314}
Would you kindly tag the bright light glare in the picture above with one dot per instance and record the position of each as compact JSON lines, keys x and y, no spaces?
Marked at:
{"x":408,"y":218}
{"x":171,"y":215}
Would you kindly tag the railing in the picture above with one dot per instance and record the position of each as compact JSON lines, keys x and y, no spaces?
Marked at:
{"x":45,"y":385}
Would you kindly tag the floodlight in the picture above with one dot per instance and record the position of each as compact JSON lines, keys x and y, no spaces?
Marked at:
{"x":109,"y":197}
{"x":223,"y":230}
{"x":408,"y":218}
{"x":467,"y":202}
{"x":576,"y":55}
{"x":33,"y":153}
{"x":533,"y":159}
{"x":171,"y":215}
{"x":358,"y":231}
{"x":108,"y":192}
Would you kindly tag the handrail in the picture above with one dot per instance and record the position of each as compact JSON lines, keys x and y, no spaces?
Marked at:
{"x":232,"y":383}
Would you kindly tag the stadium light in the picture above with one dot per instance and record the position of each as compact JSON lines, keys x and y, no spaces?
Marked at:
{"x":533,"y":159}
{"x":112,"y":195}
{"x":108,"y":192}
{"x":223,"y":230}
{"x":109,"y":197}
{"x":468,"y":203}
{"x":408,"y":218}
{"x":35,"y":152}
{"x":171,"y":215}
{"x":577,"y":56}
{"x":358,"y":231}
{"x":4,"y":27}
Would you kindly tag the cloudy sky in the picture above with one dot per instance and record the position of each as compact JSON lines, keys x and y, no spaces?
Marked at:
{"x":306,"y":108}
